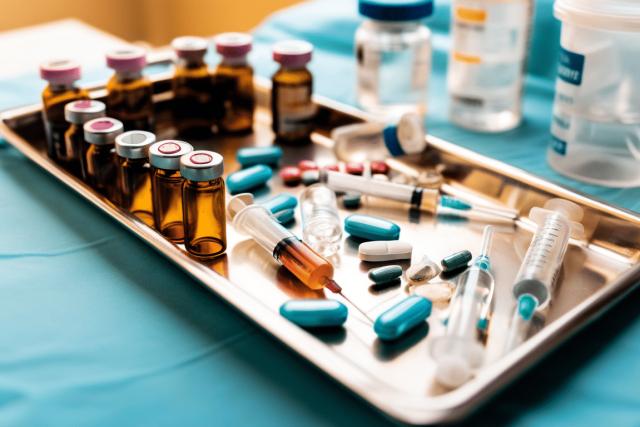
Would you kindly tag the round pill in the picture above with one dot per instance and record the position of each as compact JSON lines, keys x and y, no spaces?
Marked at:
{"x":385,"y":274}
{"x":351,"y":200}
{"x":281,"y":202}
{"x":335,"y":168}
{"x":307,"y":165}
{"x":402,"y":317}
{"x":422,"y":271}
{"x":285,"y":216}
{"x":291,"y":175}
{"x":379,"y":167}
{"x":455,"y":261}
{"x":248,"y":179}
{"x":377,"y":251}
{"x":314,"y":313}
{"x":354,"y":168}
{"x":310,"y":177}
{"x":369,"y":227}
{"x":250,"y":156}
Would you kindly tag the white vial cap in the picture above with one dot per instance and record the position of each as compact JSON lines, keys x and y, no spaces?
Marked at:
{"x":166,"y":154}
{"x":201,"y":165}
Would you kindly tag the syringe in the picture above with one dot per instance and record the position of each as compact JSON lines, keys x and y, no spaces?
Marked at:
{"x":557,"y":221}
{"x":520,"y":321}
{"x":428,"y":200}
{"x":307,"y":265}
{"x":459,"y":351}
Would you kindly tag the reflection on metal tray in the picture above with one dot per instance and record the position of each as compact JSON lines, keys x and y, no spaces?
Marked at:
{"x":397,"y":378}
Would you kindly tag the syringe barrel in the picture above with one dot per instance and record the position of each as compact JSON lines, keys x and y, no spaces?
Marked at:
{"x":256,"y":221}
{"x":543,"y":259}
{"x":321,"y":225}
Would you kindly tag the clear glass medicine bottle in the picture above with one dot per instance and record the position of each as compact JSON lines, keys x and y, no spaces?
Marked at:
{"x":101,"y":135}
{"x":203,"y":201}
{"x":166,"y":187}
{"x":61,"y":89}
{"x":134,"y":174}
{"x":77,"y":113}
{"x":129,"y":92}
{"x":487,"y":63}
{"x":393,"y":54}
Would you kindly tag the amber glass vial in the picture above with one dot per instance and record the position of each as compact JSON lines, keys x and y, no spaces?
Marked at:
{"x":292,"y":109}
{"x":192,"y":88}
{"x":166,"y":187}
{"x":129,"y":92}
{"x":77,"y":113}
{"x":205,"y":230}
{"x":101,"y":135}
{"x":233,"y":83}
{"x":134,"y":174}
{"x":61,"y":89}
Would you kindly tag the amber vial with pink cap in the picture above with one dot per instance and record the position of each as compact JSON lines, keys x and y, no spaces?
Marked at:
{"x":192,"y":88}
{"x":166,"y":187}
{"x":129,"y":92}
{"x":292,"y":109}
{"x":101,"y":135}
{"x":233,"y":83}
{"x":61,"y":89}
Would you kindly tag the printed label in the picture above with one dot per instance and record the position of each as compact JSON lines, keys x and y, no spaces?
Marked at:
{"x":558,"y":145}
{"x":296,"y":109}
{"x":570,"y":66}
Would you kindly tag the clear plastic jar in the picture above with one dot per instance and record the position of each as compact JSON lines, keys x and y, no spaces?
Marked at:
{"x":393,"y":51}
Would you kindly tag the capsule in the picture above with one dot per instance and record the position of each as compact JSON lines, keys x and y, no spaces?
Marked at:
{"x":385,"y":274}
{"x":368,"y":227}
{"x":315,"y":313}
{"x":402,"y":317}
{"x":251,"y":156}
{"x":456,"y":261}
{"x":285,"y":216}
{"x":281,"y":202}
{"x":248,"y":179}
{"x":351,"y":200}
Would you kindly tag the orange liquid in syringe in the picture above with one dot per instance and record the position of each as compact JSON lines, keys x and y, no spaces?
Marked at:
{"x":312,"y":270}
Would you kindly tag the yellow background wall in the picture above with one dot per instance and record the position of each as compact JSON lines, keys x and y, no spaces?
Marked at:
{"x":155,"y":21}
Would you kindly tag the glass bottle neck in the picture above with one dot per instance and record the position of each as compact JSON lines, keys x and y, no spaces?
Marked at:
{"x":234,"y":61}
{"x":394,"y":25}
{"x":191,"y":63}
{"x":124,"y":76}
{"x":62,"y":87}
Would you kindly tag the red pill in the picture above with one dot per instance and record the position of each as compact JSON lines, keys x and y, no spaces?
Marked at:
{"x":379,"y":167}
{"x":335,"y":168}
{"x":354,"y":168}
{"x":307,"y":165}
{"x":291,"y":175}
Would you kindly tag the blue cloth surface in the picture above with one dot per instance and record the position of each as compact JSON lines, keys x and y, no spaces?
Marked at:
{"x":97,"y":329}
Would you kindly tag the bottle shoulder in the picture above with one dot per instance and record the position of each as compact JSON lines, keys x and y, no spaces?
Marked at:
{"x":299,"y":76}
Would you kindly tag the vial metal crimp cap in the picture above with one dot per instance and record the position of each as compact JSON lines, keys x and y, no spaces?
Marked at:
{"x":166,"y":154}
{"x":80,"y":112}
{"x":102,"y":131}
{"x":134,"y":144}
{"x":201,"y":165}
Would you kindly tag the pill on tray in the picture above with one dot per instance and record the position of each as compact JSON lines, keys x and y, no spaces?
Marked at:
{"x":307,"y":165}
{"x":385,"y":274}
{"x":422,"y":271}
{"x":248,"y":179}
{"x":310,"y":177}
{"x":384,"y":250}
{"x":402,"y":317}
{"x":335,"y":168}
{"x":281,"y":202}
{"x":379,"y":168}
{"x":455,"y":261}
{"x":291,"y":175}
{"x":379,"y":177}
{"x":354,"y":168}
{"x":437,"y":293}
{"x":285,"y":216}
{"x":351,"y":200}
{"x":250,"y":156}
{"x":369,"y":227}
{"x":314,"y":313}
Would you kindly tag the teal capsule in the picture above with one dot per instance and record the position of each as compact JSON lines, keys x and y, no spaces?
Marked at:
{"x":351,"y":200}
{"x":250,"y":156}
{"x":281,"y":202}
{"x":456,"y":260}
{"x":314,"y":313}
{"x":402,"y":317}
{"x":385,"y":274}
{"x":368,"y":227}
{"x":285,"y":216}
{"x":248,"y":179}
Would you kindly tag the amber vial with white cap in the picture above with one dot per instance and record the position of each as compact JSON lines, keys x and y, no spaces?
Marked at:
{"x":61,"y":76}
{"x":203,"y":204}
{"x":134,"y":174}
{"x":292,"y":110}
{"x":233,"y":83}
{"x":129,"y":92}
{"x":101,"y":135}
{"x":166,"y":186}
{"x":77,"y":113}
{"x":192,"y":88}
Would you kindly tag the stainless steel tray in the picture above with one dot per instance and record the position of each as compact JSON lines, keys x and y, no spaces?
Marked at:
{"x":397,"y":378}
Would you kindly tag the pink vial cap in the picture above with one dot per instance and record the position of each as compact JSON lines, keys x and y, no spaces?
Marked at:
{"x":201,"y":158}
{"x":233,"y":44}
{"x":292,"y":53}
{"x":103,"y":124}
{"x":190,"y":46}
{"x":60,"y":71}
{"x":127,"y":59}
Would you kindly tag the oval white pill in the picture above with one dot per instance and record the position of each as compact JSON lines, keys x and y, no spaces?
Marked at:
{"x":381,"y":250}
